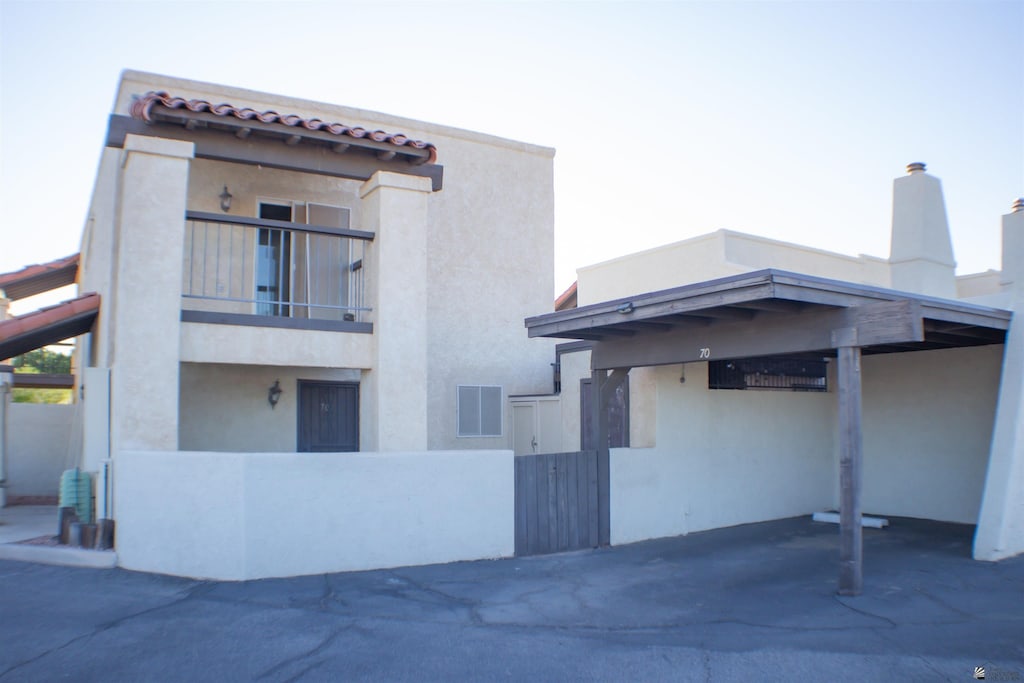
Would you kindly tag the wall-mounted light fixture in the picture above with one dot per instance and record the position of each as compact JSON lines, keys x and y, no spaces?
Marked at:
{"x":225,"y":200}
{"x":274,"y":394}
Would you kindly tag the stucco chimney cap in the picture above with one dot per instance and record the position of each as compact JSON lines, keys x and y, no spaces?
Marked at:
{"x":916,"y":167}
{"x":1018,"y":205}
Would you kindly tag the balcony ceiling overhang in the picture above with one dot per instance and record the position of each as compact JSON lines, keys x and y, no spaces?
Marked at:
{"x":768,"y":312}
{"x":243,"y":135}
{"x":48,"y":325}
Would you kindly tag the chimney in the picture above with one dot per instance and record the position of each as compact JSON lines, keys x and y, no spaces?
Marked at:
{"x":921,"y":256}
{"x":1013,"y":247}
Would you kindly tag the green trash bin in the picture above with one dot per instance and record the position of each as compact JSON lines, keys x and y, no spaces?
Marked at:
{"x":76,"y":492}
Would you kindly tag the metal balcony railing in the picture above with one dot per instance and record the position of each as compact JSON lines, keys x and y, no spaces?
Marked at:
{"x":274,"y":268}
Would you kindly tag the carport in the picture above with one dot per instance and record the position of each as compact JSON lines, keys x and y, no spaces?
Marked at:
{"x":772,"y":313}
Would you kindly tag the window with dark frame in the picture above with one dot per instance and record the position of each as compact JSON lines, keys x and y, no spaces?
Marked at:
{"x":774,"y":373}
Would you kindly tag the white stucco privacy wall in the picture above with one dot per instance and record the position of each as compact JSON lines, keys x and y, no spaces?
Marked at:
{"x":237,"y":516}
{"x":927,"y":426}
{"x":723,"y":458}
{"x":38,"y":448}
{"x":1001,"y":520}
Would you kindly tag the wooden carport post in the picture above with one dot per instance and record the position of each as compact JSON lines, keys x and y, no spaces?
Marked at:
{"x":602,"y":387}
{"x":851,"y":577}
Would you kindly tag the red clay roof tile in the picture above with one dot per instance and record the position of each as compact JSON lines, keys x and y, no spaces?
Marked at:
{"x":48,"y":325}
{"x":142,"y":107}
{"x":40,"y":277}
{"x":567,"y":299}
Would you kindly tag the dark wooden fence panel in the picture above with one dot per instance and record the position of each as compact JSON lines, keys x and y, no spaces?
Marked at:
{"x":557,"y":502}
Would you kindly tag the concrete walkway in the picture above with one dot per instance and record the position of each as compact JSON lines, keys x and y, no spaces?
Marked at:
{"x":20,"y":523}
{"x":23,"y":522}
{"x":751,"y":603}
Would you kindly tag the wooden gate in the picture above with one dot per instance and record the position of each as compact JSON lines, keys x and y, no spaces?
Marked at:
{"x":559,"y":502}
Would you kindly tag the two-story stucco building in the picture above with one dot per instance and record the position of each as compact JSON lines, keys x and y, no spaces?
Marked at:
{"x":281,"y":278}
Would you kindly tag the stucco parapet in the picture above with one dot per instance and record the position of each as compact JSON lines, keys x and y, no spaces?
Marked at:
{"x":923,"y":259}
{"x":138,"y":82}
{"x":398,"y":181}
{"x":626,"y":258}
{"x":159,"y":146}
{"x":732,"y":235}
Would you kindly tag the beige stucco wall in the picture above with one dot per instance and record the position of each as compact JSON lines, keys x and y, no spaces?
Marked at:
{"x":250,"y":185}
{"x":225,"y":407}
{"x":715,"y":255}
{"x":489,"y":256}
{"x":39,"y":448}
{"x":693,"y":260}
{"x":928,"y":420}
{"x":491,"y":263}
{"x":251,"y":345}
{"x":723,"y":458}
{"x":978,"y":284}
{"x":258,"y":515}
{"x":98,"y":259}
{"x":146,"y":306}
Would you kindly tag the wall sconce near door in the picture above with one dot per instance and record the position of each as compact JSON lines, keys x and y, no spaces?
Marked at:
{"x":225,"y":200}
{"x":274,"y":394}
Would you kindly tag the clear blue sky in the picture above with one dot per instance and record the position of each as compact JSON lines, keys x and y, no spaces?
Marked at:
{"x":671,"y":119}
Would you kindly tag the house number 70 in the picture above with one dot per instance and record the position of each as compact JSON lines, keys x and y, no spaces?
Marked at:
{"x":705,"y":352}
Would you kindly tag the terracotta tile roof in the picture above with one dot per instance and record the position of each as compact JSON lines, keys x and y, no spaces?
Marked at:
{"x":41,"y":277}
{"x":567,"y":299}
{"x":143,"y":106}
{"x":48,"y":325}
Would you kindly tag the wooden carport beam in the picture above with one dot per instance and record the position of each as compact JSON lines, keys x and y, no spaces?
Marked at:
{"x":851,"y":543}
{"x":603,"y":387}
{"x":889,"y":322}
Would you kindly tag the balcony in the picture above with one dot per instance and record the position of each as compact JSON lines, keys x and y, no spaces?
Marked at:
{"x":270,"y":273}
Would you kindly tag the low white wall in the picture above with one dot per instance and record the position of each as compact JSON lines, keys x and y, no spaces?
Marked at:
{"x":37,"y":448}
{"x":927,"y":421}
{"x":236,"y":516}
{"x":723,"y":458}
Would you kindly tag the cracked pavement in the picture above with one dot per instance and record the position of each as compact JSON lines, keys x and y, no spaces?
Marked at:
{"x":754,"y":603}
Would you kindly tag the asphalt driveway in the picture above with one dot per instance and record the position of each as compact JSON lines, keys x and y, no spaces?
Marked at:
{"x":751,"y":603}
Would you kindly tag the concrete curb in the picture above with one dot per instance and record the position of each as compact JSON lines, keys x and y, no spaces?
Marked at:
{"x":65,"y":557}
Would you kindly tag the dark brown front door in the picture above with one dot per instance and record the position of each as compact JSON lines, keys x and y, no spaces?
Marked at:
{"x":328,"y":417}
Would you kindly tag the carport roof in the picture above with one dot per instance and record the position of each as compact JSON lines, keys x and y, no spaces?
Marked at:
{"x":769,"y":299}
